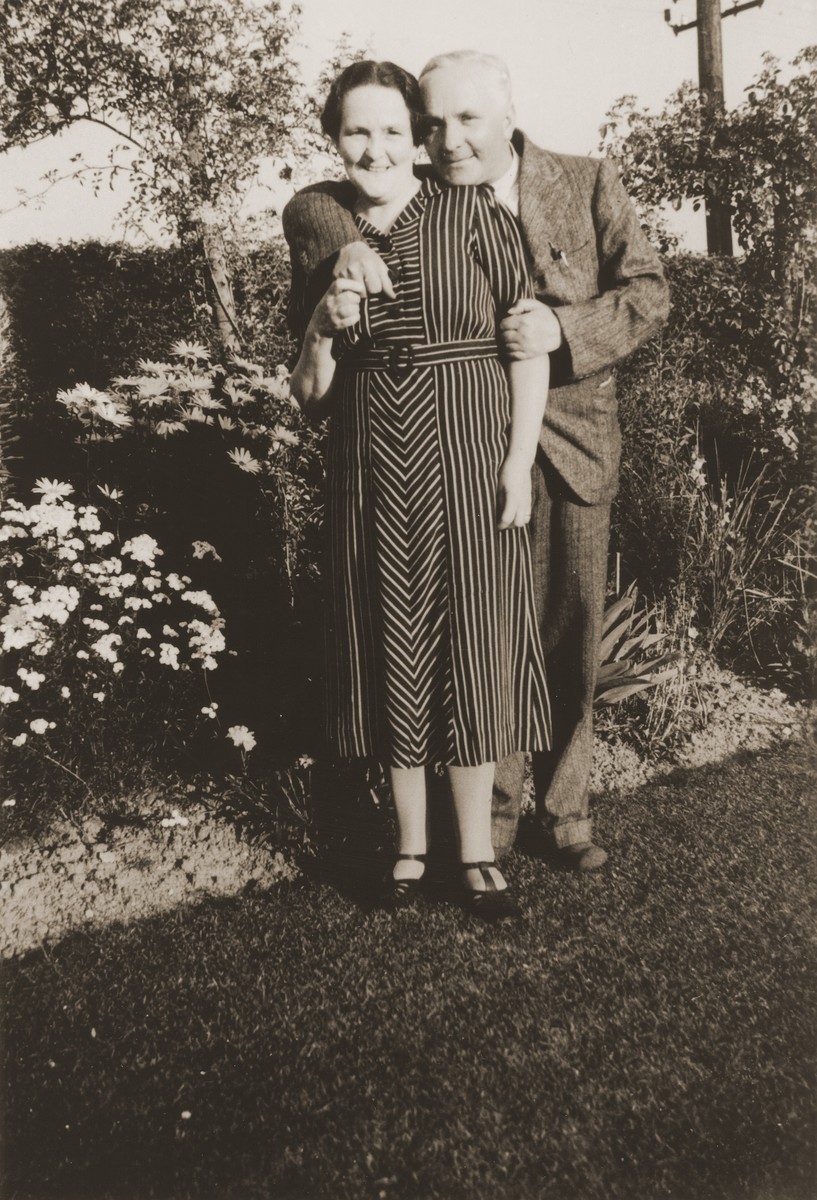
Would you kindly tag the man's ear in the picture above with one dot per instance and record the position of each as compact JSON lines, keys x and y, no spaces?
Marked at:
{"x":510,"y":121}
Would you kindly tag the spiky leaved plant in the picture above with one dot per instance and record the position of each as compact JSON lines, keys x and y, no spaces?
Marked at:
{"x":630,"y":638}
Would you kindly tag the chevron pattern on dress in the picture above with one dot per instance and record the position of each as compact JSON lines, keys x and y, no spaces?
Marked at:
{"x":410,"y":524}
{"x":433,"y":650}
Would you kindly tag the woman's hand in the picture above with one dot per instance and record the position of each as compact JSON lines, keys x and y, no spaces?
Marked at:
{"x":312,"y":376}
{"x":514,"y":493}
{"x":359,"y":261}
{"x":339,"y":308}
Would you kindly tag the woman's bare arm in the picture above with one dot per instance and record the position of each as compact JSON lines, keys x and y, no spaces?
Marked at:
{"x":528,"y":380}
{"x":311,"y":380}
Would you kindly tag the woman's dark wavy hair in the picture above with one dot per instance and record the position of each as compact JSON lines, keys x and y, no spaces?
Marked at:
{"x":381,"y":74}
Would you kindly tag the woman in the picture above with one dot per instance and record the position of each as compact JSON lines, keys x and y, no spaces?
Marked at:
{"x":433,"y":650}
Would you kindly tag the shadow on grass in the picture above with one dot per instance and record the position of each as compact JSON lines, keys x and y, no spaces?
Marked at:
{"x":353,"y":834}
{"x":644,"y":1035}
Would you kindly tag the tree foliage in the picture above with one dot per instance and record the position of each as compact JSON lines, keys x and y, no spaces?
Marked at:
{"x":200,"y":92}
{"x":195,"y":95}
{"x":758,"y":157}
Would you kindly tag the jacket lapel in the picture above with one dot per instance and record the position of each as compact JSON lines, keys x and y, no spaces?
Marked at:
{"x":544,"y":200}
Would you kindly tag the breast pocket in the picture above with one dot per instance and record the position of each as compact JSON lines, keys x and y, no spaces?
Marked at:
{"x":566,"y":275}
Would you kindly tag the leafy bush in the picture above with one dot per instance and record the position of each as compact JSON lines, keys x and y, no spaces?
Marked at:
{"x":242,"y":416}
{"x":86,"y":312}
{"x":217,"y":460}
{"x":715,"y":482}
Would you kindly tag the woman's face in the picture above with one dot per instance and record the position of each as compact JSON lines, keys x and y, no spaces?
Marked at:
{"x":375,"y":143}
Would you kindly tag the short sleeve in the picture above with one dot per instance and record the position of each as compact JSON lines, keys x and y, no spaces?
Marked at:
{"x":498,"y":248}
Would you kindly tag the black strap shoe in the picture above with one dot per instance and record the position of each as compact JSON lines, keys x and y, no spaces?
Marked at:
{"x":400,"y":893}
{"x":492,"y":904}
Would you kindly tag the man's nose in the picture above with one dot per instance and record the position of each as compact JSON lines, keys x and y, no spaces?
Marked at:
{"x":451,"y":135}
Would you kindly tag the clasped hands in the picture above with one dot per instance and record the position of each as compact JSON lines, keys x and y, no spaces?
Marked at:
{"x":359,"y":272}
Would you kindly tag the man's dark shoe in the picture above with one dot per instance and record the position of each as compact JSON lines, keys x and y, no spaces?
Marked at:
{"x":581,"y":856}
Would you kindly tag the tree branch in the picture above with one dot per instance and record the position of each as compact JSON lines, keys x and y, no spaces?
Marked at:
{"x":62,"y":179}
{"x":119,"y":132}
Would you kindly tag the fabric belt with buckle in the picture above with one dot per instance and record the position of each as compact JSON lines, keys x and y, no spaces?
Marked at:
{"x":401,"y":358}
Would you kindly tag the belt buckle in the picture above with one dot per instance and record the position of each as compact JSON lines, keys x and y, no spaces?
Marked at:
{"x":396,"y":366}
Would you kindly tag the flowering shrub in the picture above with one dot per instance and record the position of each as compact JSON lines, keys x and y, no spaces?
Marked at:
{"x":90,"y":622}
{"x":246,"y":413}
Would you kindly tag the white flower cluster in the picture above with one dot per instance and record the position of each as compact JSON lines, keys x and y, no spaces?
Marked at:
{"x":206,"y":641}
{"x":65,"y":611}
{"x":143,"y":549}
{"x":241,"y":737}
{"x":96,"y":409}
{"x":778,"y":415}
{"x":170,"y":398}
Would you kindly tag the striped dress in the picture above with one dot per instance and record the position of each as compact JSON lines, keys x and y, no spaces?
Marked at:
{"x":433,"y":652}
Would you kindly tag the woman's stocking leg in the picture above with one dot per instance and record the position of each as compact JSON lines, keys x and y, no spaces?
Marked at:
{"x":471,"y":789}
{"x":408,"y":785}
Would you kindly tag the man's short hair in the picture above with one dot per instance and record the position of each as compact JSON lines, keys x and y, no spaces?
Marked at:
{"x":490,"y":62}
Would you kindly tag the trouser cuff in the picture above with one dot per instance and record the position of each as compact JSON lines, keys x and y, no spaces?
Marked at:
{"x":568,"y":833}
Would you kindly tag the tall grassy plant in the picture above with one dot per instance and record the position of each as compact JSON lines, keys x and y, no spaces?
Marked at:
{"x":737,"y":541}
{"x":630,"y":637}
{"x":7,"y":432}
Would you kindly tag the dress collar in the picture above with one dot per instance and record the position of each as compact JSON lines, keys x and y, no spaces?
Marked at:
{"x":428,"y":187}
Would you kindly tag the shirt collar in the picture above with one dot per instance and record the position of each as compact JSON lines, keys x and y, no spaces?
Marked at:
{"x":507,"y":186}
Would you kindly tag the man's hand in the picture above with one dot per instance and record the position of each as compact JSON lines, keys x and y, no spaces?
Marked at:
{"x":514,"y":493}
{"x":339,"y":308}
{"x":358,"y":261}
{"x":530,"y":330}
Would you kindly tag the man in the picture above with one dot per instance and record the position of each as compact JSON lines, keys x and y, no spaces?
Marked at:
{"x":600,"y":293}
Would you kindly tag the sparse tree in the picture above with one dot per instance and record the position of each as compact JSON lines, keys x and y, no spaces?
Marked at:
{"x":195,"y":93}
{"x":759,"y":158}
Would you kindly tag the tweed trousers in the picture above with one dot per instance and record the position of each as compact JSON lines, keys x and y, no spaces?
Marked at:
{"x":569,"y":541}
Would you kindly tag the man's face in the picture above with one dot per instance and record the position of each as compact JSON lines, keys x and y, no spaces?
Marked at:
{"x":470,"y":122}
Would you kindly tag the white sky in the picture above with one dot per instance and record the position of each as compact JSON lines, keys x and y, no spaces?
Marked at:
{"x":569,"y":59}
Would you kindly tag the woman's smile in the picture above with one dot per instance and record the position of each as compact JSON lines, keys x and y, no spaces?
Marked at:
{"x":376,"y":144}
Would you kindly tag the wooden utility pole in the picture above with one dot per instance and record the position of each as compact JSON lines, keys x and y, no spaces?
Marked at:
{"x":710,"y":85}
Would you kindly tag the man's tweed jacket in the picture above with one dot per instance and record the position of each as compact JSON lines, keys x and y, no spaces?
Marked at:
{"x":590,"y":261}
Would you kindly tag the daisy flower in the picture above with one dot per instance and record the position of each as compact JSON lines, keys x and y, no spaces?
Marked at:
{"x":243,"y":459}
{"x":52,"y":489}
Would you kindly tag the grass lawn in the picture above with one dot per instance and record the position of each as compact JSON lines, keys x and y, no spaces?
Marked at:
{"x":646,"y":1034}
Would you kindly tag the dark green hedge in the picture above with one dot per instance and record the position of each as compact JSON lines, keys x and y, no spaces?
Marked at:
{"x":86,"y":312}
